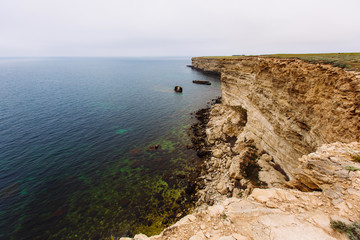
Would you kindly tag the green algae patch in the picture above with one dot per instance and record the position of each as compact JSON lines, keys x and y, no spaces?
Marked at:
{"x":122,"y":131}
{"x":167,"y":145}
{"x":142,"y":192}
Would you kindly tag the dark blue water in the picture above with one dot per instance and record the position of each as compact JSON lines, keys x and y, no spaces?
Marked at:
{"x":74,"y":139}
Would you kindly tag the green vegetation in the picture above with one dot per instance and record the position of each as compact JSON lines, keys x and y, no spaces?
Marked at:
{"x":352,"y":169}
{"x":352,"y":230}
{"x":143,"y":191}
{"x":355,"y":157}
{"x":348,"y":61}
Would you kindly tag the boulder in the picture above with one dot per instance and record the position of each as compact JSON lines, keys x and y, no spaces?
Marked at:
{"x":140,"y":237}
{"x":217,"y":153}
{"x":221,"y":186}
{"x":178,"y":89}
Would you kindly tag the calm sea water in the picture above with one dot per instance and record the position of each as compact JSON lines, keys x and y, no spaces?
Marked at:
{"x":74,"y":139}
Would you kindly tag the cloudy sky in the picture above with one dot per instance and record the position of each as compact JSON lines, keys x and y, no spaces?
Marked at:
{"x":177,"y":28}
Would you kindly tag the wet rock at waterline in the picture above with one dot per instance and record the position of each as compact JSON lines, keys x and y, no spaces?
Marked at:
{"x":203,"y":82}
{"x":153,"y":148}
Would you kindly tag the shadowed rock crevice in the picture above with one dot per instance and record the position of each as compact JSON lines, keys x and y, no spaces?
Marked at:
{"x":243,"y":114}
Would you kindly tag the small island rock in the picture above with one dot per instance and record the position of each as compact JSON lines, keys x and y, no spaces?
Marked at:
{"x":178,"y":89}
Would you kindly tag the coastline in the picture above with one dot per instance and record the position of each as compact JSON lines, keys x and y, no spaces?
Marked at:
{"x":249,"y":189}
{"x":276,"y":211}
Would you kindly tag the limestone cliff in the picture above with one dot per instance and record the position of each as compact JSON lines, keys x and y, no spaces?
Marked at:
{"x":261,"y":180}
{"x":210,"y":65}
{"x":292,"y":107}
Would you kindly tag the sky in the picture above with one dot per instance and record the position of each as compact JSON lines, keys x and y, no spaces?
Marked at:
{"x":177,"y":28}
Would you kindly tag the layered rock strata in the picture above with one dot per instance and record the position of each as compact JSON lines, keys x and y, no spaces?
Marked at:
{"x":207,"y":66}
{"x":292,"y":107}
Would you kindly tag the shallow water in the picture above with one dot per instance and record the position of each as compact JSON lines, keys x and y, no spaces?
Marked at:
{"x":74,"y":138}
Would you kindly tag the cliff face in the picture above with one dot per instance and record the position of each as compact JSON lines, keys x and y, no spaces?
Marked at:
{"x":292,"y":107}
{"x":207,"y":64}
{"x":274,"y":112}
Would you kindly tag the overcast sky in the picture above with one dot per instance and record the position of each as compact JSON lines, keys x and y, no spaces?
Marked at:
{"x":177,"y":28}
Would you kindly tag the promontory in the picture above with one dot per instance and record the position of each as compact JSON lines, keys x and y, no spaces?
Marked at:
{"x":285,"y":151}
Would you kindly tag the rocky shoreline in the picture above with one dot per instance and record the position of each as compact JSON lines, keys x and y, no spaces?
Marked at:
{"x":231,"y":168}
{"x":243,"y":194}
{"x":201,"y":145}
{"x":278,"y":153}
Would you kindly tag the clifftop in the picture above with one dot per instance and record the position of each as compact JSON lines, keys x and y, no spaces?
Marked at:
{"x":348,"y":61}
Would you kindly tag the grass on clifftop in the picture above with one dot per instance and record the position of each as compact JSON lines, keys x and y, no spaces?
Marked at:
{"x":348,"y":61}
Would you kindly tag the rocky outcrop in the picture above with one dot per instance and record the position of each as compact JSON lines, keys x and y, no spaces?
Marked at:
{"x":292,"y":107}
{"x":207,"y":65}
{"x":178,"y":89}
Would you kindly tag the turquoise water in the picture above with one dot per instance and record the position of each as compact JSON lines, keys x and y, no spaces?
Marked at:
{"x":75,"y":133}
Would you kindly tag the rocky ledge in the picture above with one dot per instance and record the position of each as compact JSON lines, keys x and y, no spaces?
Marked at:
{"x":260,"y":179}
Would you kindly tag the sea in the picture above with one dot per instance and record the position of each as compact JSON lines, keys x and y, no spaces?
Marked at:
{"x":96,"y":148}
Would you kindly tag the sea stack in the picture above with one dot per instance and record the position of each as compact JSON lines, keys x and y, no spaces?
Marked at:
{"x":178,"y":89}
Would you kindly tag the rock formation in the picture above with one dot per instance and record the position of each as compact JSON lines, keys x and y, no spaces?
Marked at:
{"x":178,"y":89}
{"x":261,"y":180}
{"x":292,"y":107}
{"x":203,"y":82}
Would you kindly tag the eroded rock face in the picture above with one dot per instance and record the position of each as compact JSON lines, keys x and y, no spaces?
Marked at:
{"x":233,"y":169}
{"x":206,"y":65}
{"x":292,"y":107}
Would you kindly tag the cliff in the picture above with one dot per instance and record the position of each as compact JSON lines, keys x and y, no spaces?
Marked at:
{"x":284,"y":153}
{"x":292,"y":107}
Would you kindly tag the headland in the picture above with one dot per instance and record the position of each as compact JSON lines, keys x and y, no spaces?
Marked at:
{"x":282,"y":152}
